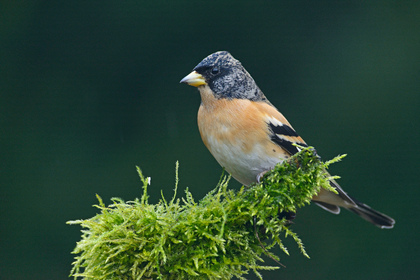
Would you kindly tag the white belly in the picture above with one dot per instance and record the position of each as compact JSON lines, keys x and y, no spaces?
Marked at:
{"x":244,"y":167}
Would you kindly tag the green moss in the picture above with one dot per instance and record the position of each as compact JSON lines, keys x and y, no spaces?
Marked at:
{"x":223,"y":235}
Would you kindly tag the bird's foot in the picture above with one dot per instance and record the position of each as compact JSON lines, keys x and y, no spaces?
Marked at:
{"x":260,"y":176}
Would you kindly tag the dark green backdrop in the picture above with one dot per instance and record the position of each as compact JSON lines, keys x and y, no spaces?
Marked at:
{"x":89,"y":89}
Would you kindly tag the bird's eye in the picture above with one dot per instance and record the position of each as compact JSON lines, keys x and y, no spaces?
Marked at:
{"x":215,"y":70}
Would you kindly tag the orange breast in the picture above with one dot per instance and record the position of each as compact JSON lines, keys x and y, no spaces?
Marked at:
{"x":236,"y":133}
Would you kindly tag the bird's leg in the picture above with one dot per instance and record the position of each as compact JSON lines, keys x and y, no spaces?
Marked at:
{"x":261,"y":175}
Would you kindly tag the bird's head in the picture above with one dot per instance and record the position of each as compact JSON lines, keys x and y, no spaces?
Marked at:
{"x":225,"y":76}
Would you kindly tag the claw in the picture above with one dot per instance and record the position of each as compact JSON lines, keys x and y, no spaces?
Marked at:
{"x":260,"y":176}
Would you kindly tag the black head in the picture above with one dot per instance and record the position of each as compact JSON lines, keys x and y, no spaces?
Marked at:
{"x":227,"y":78}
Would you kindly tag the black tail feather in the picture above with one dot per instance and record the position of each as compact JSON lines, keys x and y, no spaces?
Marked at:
{"x":378,"y":219}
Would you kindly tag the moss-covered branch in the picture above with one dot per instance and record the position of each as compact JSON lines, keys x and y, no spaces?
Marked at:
{"x":215,"y":238}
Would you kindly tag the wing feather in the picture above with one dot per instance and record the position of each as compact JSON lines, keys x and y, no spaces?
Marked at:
{"x":284,"y":135}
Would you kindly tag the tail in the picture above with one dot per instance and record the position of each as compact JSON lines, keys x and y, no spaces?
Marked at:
{"x":372,"y":216}
{"x":332,"y":203}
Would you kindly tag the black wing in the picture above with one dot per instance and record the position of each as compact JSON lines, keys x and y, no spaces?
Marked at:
{"x":284,"y":136}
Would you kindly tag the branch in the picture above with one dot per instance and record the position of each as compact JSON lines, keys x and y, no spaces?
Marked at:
{"x":214,"y":238}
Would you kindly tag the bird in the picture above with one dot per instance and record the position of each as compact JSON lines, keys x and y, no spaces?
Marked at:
{"x":248,"y":136}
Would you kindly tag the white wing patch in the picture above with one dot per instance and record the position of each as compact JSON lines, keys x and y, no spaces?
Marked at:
{"x":273,"y":120}
{"x":284,"y":135}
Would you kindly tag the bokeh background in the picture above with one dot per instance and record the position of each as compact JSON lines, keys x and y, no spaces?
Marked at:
{"x":90,"y":89}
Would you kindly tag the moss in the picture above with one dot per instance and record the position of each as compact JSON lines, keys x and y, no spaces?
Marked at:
{"x":225,"y":234}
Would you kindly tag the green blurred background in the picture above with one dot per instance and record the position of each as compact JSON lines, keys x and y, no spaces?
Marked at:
{"x":89,"y":89}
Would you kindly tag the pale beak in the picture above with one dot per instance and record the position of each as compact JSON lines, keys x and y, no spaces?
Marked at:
{"x":194,"y":79}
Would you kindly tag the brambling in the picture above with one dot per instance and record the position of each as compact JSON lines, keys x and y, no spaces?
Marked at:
{"x":248,"y":136}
